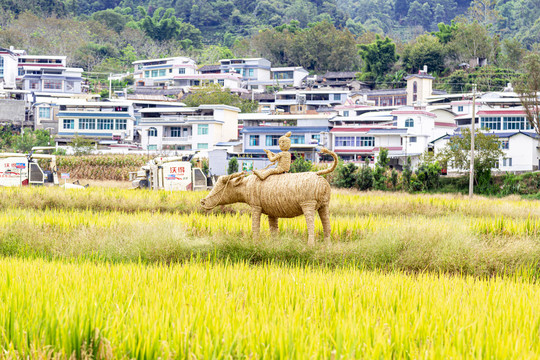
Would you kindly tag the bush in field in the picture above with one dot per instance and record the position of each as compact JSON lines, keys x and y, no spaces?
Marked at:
{"x":406,"y":175}
{"x":300,"y":164}
{"x":345,"y":175}
{"x":233,"y":166}
{"x":379,"y":177}
{"x":429,"y":172}
{"x":365,"y":177}
{"x":394,"y":179}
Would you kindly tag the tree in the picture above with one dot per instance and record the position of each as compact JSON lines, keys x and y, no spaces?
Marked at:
{"x":233,"y":166}
{"x":528,"y":89}
{"x":365,"y":178}
{"x":111,"y":19}
{"x":472,"y":41}
{"x":379,"y":177}
{"x":425,"y":50}
{"x":28,"y":139}
{"x":428,"y":172}
{"x":483,"y":11}
{"x":378,"y":58}
{"x":167,"y":27}
{"x":300,"y":164}
{"x":345,"y":175}
{"x":81,"y":145}
{"x":215,"y":94}
{"x":407,"y":174}
{"x":446,"y":32}
{"x":487,"y":153}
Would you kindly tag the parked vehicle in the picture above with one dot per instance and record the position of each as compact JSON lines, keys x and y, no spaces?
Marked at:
{"x":169,"y":173}
{"x":23,"y":169}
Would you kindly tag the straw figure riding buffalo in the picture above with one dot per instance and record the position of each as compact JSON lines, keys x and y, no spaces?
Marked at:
{"x":278,"y":195}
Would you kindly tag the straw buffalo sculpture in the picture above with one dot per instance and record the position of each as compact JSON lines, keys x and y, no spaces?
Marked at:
{"x":278,"y":196}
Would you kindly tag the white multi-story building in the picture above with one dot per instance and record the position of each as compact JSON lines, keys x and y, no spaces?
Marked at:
{"x":162,"y":72}
{"x":188,"y":128}
{"x":304,"y":101}
{"x":500,"y":114}
{"x":98,"y":121}
{"x":48,"y":74}
{"x":8,"y":68}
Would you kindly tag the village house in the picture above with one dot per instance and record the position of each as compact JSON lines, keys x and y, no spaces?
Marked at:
{"x":101,"y":121}
{"x":188,"y":128}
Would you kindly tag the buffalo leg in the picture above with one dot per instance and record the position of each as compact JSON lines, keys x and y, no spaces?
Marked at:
{"x":273,"y":223}
{"x":256,"y":221}
{"x":324,"y":214}
{"x":308,"y":208}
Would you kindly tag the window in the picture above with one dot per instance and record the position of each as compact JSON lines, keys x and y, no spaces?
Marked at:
{"x":154,"y":73}
{"x":365,"y":141}
{"x":253,"y":140}
{"x":52,"y":84}
{"x":2,"y":66}
{"x":170,"y":71}
{"x":516,"y":123}
{"x":162,"y":72}
{"x":415,"y":91}
{"x":298,"y":139}
{"x":176,"y":132}
{"x":337,"y":97}
{"x":182,"y":71}
{"x":346,"y":113}
{"x":152,"y":132}
{"x":412,"y":139}
{"x":460,"y":108}
{"x":409,"y":122}
{"x":202,"y":146}
{"x":507,"y":162}
{"x":344,"y":140}
{"x":202,"y":129}
{"x":147,"y":74}
{"x":316,"y":137}
{"x":272,"y":140}
{"x":492,"y":123}
{"x":34,"y":84}
{"x":505,"y":144}
{"x":69,"y":124}
{"x":120,"y":124}
{"x":45,"y":112}
{"x":105,"y":124}
{"x":87,"y":124}
{"x":221,"y":82}
{"x":250,"y":73}
{"x":139,"y":67}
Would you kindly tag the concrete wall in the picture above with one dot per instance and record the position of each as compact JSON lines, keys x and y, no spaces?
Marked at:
{"x":12,"y":111}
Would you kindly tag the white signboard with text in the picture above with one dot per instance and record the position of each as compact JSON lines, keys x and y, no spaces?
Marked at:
{"x":13,"y":171}
{"x":177,"y":176}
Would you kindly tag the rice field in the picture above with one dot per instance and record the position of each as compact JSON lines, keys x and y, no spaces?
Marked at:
{"x":116,"y":273}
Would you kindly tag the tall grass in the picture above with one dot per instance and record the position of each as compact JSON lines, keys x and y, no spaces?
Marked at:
{"x":457,"y":244}
{"x":221,"y":310}
{"x":343,"y":203}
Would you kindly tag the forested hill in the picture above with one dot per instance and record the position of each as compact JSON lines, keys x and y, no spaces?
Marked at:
{"x":221,"y":19}
{"x":105,"y":36}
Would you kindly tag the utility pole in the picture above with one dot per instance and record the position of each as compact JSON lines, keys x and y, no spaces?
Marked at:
{"x":473,"y":120}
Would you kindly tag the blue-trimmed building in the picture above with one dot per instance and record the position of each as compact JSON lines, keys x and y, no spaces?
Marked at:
{"x":110,"y":121}
{"x":262,"y":131}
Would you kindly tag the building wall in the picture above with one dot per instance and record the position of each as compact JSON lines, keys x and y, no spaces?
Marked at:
{"x":10,"y":71}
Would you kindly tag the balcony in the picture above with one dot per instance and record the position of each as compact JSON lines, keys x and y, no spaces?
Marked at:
{"x":200,"y":118}
{"x":177,"y":140}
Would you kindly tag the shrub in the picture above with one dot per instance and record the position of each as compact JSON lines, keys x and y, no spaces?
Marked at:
{"x":510,"y":184}
{"x":407,"y":173}
{"x":233,"y":166}
{"x":365,"y":177}
{"x":345,"y":175}
{"x":300,"y":164}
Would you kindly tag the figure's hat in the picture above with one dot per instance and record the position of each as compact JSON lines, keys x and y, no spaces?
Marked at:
{"x":286,"y":136}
